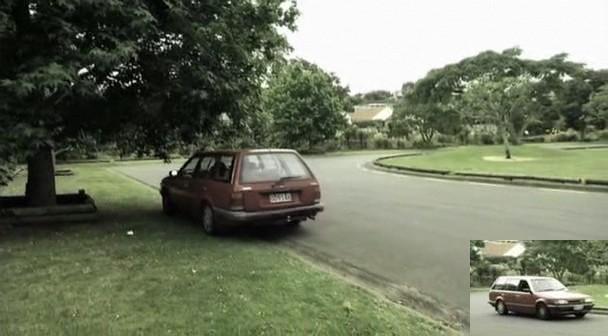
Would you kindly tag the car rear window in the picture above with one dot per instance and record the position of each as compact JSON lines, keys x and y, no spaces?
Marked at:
{"x":266,"y":167}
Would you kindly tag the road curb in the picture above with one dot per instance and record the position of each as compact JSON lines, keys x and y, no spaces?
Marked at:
{"x":599,"y":310}
{"x":528,"y":181}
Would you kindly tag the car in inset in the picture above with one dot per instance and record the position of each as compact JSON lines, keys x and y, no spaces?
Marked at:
{"x":544,"y":297}
{"x":241,"y":187}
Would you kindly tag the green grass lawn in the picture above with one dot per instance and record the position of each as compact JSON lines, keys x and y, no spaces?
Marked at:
{"x":598,"y":292}
{"x":547,"y":161}
{"x":169,"y":278}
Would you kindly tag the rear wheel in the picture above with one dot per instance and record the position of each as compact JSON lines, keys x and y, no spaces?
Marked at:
{"x":501,"y":309}
{"x":542,"y":312}
{"x":294,"y":224}
{"x":210,"y":225}
{"x":168,"y":206}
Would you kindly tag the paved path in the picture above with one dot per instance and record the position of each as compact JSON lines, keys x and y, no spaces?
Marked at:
{"x":485,"y":321}
{"x":415,"y":230}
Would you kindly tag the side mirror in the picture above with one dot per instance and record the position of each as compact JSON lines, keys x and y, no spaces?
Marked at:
{"x":173,"y":173}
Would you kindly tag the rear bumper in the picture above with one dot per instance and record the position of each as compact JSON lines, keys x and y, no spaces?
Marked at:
{"x":287,"y":214}
{"x":568,"y":309}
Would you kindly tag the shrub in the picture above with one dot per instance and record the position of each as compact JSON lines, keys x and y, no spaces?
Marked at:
{"x":487,"y":139}
{"x":446,"y":139}
{"x":567,"y":136}
{"x":402,"y":144}
{"x":602,"y":134}
{"x":381,"y":141}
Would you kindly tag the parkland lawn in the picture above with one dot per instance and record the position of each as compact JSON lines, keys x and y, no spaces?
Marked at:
{"x":169,"y":278}
{"x":536,"y":160}
{"x":598,"y":292}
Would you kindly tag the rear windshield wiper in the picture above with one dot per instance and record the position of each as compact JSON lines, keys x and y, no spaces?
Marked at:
{"x":285,"y":178}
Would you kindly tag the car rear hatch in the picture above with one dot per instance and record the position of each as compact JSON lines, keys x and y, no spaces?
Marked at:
{"x":276,"y":180}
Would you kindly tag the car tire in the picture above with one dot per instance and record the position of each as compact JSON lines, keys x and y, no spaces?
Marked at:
{"x":208,"y":221}
{"x":168,"y":206}
{"x":580,"y":315}
{"x":294,"y":224}
{"x":542,"y":312}
{"x":501,"y":308}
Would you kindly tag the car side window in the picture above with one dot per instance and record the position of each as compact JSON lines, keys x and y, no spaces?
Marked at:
{"x":511,"y":285}
{"x":205,"y":166}
{"x":222,"y":168}
{"x":189,"y":167}
{"x":500,"y":284}
{"x":523,"y":286}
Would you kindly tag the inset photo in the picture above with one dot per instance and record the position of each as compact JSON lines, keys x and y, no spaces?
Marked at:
{"x":525,"y":287}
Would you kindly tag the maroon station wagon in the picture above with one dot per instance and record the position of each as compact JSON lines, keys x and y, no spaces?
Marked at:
{"x":228,"y":188}
{"x":543,"y":296}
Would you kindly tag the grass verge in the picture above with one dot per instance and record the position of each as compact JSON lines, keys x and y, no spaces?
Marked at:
{"x":598,"y":292}
{"x":169,"y":278}
{"x":545,"y":161}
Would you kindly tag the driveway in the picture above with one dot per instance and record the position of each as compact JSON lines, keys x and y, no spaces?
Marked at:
{"x":415,"y":230}
{"x":485,"y":321}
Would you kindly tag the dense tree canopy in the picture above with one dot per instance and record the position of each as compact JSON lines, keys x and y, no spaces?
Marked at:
{"x":596,"y":110}
{"x":556,"y":92}
{"x":142,"y":73}
{"x":559,"y":256}
{"x":307,"y":105}
{"x":504,"y":103}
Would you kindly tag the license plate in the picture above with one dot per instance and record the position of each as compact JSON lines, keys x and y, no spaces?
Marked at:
{"x":578,"y":307}
{"x":280,"y":197}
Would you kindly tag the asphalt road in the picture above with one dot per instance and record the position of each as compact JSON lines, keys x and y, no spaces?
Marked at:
{"x":415,"y":230}
{"x":485,"y":321}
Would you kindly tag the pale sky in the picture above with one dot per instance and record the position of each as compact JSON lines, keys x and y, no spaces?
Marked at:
{"x":380,"y":44}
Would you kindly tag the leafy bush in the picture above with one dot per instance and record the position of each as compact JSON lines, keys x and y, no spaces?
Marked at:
{"x":446,"y":139}
{"x":602,"y":134}
{"x":402,"y":144}
{"x":567,"y":136}
{"x":487,"y":139}
{"x":381,"y":141}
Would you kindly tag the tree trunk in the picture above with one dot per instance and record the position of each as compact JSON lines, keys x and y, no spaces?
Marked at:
{"x":505,"y":141}
{"x":40,"y":187}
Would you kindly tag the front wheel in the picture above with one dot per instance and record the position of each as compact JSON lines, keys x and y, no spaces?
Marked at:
{"x":580,"y":315}
{"x":501,"y":309}
{"x":168,"y":206}
{"x":542,"y":312}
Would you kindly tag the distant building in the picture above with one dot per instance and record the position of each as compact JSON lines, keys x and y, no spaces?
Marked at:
{"x":503,"y":248}
{"x":371,"y":113}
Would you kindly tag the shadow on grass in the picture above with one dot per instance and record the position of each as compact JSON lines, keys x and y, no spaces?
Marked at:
{"x":149,"y":218}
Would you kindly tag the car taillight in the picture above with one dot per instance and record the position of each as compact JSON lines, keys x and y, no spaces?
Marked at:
{"x":317,"y":194}
{"x":236,"y":201}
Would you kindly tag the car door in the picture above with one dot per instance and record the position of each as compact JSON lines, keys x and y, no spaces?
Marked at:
{"x":198,"y":187}
{"x":181,"y":183}
{"x":525,"y":298}
{"x":219,"y":184}
{"x":509,"y":294}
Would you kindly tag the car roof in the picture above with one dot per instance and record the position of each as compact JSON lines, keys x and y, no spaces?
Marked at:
{"x":245,"y":151}
{"x":523,"y":277}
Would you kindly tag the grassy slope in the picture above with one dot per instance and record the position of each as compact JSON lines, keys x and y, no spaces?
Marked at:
{"x":598,"y":292}
{"x":592,"y":163}
{"x":169,"y":278}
